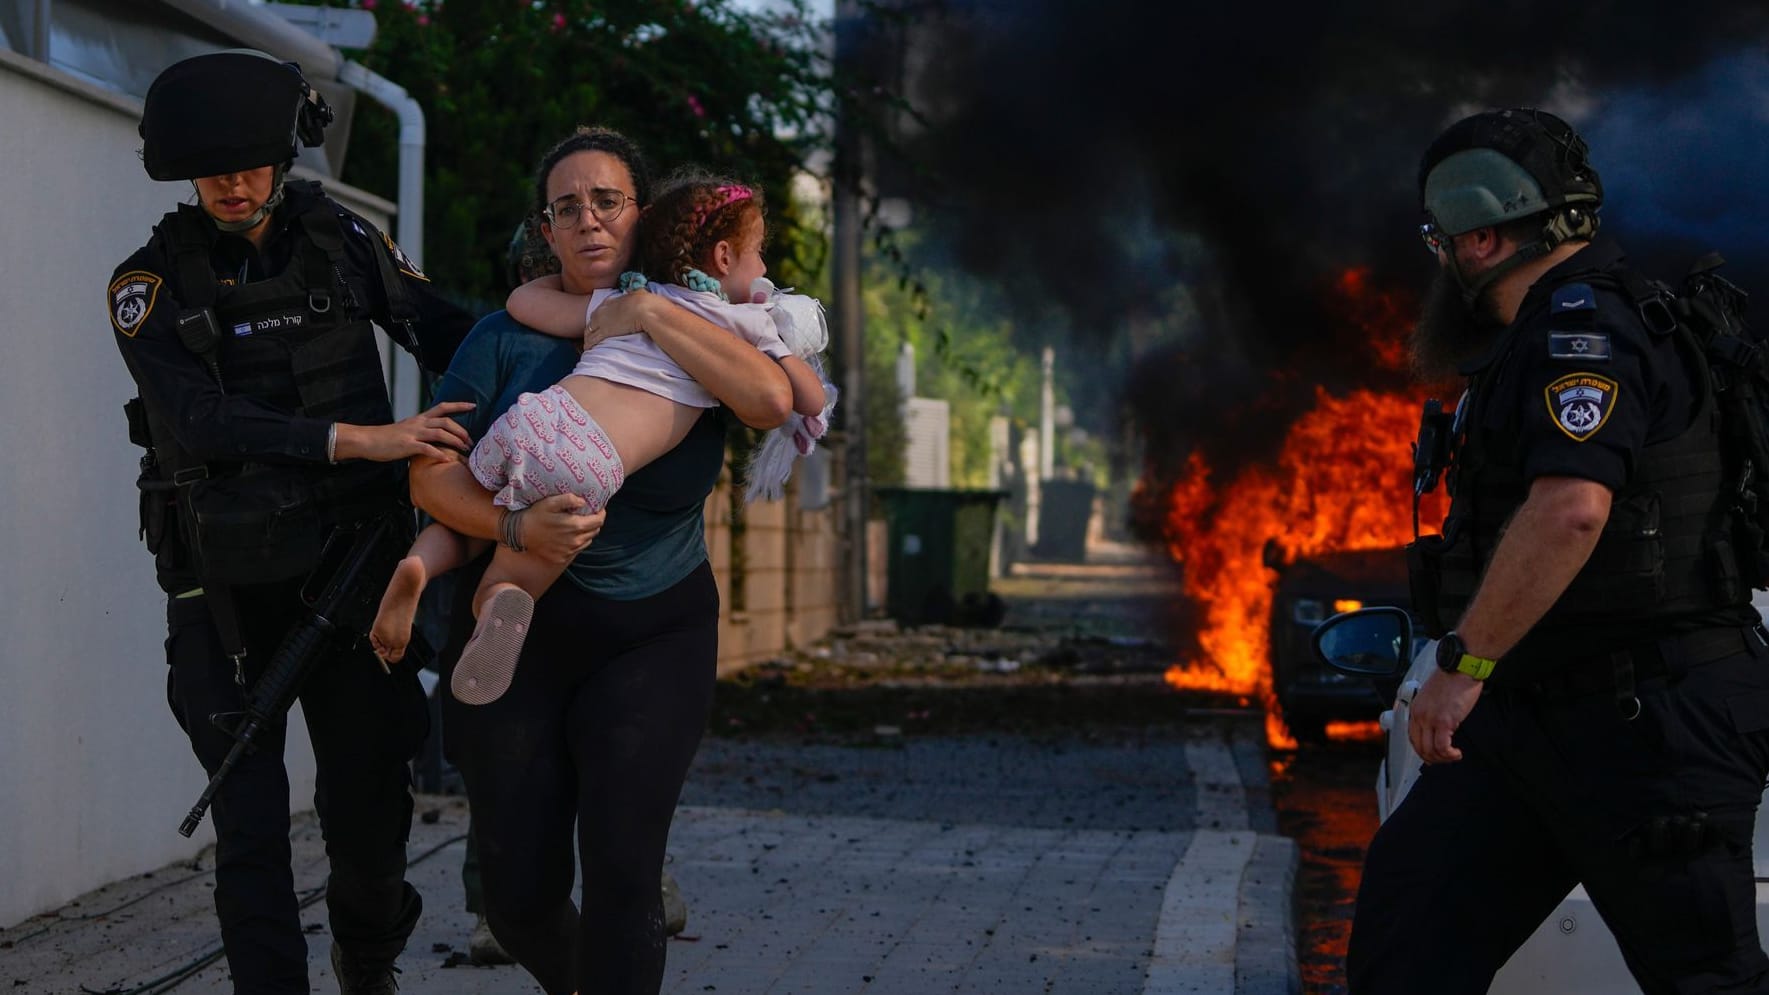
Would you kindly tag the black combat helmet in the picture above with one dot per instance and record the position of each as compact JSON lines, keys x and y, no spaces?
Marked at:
{"x":226,"y":112}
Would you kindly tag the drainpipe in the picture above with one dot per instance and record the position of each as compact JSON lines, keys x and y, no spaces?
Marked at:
{"x":411,"y":184}
{"x":411,"y":150}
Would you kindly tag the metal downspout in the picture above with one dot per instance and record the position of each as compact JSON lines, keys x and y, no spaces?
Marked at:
{"x":411,"y":180}
{"x":411,"y":150}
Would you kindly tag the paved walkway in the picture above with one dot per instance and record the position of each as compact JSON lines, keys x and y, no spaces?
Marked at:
{"x":1007,"y":866}
{"x":1133,"y":855}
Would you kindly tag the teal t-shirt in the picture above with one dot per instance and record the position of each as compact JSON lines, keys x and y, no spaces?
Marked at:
{"x":655,"y":533}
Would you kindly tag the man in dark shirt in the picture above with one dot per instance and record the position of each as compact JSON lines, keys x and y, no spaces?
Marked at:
{"x":1600,"y":716}
{"x":245,"y":322}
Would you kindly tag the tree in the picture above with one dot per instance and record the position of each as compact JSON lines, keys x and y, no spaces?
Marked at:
{"x":964,"y":353}
{"x":502,"y":80}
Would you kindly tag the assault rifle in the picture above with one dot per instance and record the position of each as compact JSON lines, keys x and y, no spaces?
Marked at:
{"x":352,"y":574}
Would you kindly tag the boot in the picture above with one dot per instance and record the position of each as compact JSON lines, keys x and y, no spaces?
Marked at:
{"x":362,"y":979}
{"x":675,"y":911}
{"x":484,"y":948}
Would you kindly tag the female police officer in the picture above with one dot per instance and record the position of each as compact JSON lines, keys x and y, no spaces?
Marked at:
{"x":245,"y":323}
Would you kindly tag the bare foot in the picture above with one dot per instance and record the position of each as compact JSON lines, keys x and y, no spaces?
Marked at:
{"x":392,"y":630}
{"x":488,"y":661}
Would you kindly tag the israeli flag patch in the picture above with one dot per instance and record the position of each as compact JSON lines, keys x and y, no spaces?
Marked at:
{"x":1578,"y":345}
{"x":1573,"y":297}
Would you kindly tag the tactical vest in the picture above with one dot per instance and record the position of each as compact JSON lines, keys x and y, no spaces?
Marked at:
{"x":1656,"y":556}
{"x":298,"y":342}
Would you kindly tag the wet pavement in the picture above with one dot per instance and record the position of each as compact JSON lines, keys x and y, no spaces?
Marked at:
{"x":1326,"y":801}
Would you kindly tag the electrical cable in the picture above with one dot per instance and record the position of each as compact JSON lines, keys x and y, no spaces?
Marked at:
{"x":177,"y":976}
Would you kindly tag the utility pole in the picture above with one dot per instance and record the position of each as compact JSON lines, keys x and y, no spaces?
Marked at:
{"x":850,"y":355}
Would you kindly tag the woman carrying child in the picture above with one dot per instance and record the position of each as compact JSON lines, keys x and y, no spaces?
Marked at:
{"x":623,"y":405}
{"x":615,"y":683}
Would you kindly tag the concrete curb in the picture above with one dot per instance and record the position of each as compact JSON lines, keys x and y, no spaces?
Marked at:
{"x":1265,"y":944}
{"x":1226,"y":921}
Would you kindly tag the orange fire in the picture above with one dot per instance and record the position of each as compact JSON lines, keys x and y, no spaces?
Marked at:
{"x":1359,"y":731}
{"x":1341,"y":482}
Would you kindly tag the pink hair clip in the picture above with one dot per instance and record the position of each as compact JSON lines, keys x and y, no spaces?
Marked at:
{"x":729,"y":194}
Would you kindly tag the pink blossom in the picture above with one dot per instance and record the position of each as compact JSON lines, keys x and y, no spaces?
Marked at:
{"x":423,"y":20}
{"x":694,"y":105}
{"x":368,"y":4}
{"x":558,"y":22}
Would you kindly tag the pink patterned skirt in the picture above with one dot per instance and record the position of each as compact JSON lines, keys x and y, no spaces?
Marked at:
{"x":547,"y":444}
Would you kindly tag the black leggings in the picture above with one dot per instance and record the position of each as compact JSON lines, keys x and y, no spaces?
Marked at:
{"x":606,"y":710}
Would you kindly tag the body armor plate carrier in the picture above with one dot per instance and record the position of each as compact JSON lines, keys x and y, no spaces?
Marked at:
{"x":1668,"y":549}
{"x":298,"y":342}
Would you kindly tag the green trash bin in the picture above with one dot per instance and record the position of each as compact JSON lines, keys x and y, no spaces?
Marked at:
{"x":939,"y":552}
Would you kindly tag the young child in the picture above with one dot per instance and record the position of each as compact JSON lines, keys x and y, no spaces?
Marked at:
{"x":624,"y":405}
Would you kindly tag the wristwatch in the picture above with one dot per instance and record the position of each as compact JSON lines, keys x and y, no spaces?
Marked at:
{"x":1453,"y":657}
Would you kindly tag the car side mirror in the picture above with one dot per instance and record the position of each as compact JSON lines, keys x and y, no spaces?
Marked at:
{"x":1369,"y":642}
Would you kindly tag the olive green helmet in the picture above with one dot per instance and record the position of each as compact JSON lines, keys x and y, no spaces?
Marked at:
{"x":1501,"y":166}
{"x":1504,"y":166}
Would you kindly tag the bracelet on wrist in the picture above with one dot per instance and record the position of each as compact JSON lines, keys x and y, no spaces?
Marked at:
{"x":510,"y":530}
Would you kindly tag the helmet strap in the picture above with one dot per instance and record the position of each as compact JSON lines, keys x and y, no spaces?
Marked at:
{"x":1560,"y":226}
{"x":256,"y":217}
{"x":1472,"y":289}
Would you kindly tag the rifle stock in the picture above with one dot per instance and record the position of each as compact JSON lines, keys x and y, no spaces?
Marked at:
{"x":340,"y":614}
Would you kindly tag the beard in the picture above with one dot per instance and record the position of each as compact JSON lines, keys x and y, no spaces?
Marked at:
{"x":1449,"y":332}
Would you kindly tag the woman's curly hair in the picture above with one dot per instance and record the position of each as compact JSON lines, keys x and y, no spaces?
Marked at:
{"x":695,"y":210}
{"x":585,"y":139}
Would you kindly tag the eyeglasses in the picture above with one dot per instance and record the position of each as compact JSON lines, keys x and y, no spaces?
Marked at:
{"x":1434,"y":238}
{"x":567,"y":213}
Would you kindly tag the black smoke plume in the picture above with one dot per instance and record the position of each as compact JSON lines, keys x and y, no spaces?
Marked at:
{"x":1195,"y":175}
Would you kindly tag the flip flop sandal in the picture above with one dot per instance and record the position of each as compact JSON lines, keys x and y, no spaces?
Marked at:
{"x":488,"y":662}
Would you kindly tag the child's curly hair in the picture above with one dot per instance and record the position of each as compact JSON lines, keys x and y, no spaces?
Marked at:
{"x":694,"y":211}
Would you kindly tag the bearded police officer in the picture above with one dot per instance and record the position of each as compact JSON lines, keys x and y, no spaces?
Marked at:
{"x":1599,"y":717}
{"x":245,"y":322}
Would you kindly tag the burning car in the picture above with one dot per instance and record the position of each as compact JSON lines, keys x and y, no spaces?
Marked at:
{"x":1308,"y":591}
{"x":1572,"y":952}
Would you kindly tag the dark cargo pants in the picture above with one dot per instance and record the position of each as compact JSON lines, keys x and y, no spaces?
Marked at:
{"x":365,"y":726}
{"x":1553,"y":793}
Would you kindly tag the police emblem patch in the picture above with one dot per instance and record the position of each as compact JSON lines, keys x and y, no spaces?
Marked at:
{"x":132,"y":298}
{"x":1580,"y":403}
{"x":403,"y":261}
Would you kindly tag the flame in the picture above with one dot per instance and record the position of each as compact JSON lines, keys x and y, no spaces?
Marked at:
{"x":1342,"y":481}
{"x":1355,"y":731}
{"x":1382,"y":315}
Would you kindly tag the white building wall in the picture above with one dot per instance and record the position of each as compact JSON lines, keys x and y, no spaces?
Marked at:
{"x":97,"y":775}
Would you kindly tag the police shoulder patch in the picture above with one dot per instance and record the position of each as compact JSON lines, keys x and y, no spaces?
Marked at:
{"x":132,"y":297}
{"x":1580,"y":403}
{"x":403,"y":261}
